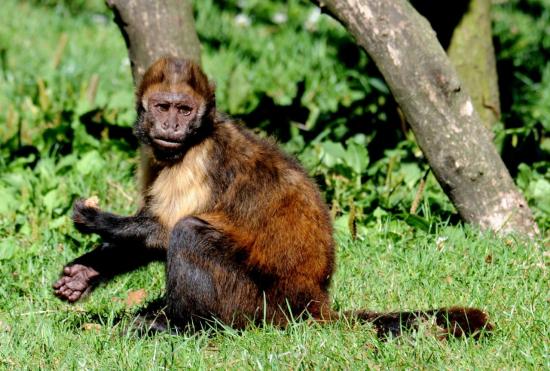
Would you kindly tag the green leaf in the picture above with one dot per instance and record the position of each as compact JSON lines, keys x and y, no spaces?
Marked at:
{"x":58,"y":222}
{"x":341,"y":224}
{"x":333,"y":153}
{"x":51,"y":200}
{"x":90,"y":163}
{"x":16,"y":180}
{"x":239,"y":89}
{"x":7,"y":248}
{"x":66,"y":162}
{"x":416,"y":222}
{"x":8,"y":200}
{"x":411,"y":173}
{"x":524,"y":174}
{"x":378,"y":213}
{"x":357,"y":157}
{"x":541,"y":193}
{"x":379,"y":85}
{"x":122,"y":99}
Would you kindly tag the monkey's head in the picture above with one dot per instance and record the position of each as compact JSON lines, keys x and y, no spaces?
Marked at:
{"x":175,"y":107}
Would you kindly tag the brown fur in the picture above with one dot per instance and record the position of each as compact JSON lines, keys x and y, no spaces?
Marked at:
{"x":246,"y":231}
{"x":268,"y":208}
{"x":261,"y":199}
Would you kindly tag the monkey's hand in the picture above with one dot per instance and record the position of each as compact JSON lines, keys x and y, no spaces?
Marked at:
{"x":77,"y":280}
{"x":86,"y":215}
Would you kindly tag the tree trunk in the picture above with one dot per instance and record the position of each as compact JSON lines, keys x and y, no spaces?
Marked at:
{"x":441,"y":114}
{"x":472,"y":53}
{"x":153,"y":29}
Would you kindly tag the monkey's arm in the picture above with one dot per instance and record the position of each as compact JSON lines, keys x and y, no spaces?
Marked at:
{"x":105,"y":261}
{"x":129,"y":242}
{"x":141,"y":229}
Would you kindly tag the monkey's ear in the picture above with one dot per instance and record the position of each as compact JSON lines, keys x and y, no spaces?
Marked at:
{"x":212,"y":92}
{"x":145,"y":98}
{"x":144,"y":102}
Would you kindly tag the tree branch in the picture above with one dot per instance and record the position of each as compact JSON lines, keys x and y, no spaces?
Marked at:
{"x":441,"y":114}
{"x":153,"y":29}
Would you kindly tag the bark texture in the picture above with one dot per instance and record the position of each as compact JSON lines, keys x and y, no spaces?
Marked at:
{"x":472,"y":53}
{"x":153,"y":29}
{"x":441,"y":114}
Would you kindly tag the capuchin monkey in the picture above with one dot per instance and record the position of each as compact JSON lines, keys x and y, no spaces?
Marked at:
{"x":244,"y":231}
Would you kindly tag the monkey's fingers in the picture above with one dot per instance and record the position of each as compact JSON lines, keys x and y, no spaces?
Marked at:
{"x":75,"y":296}
{"x":73,"y":270}
{"x":70,"y":290}
{"x":92,"y":202}
{"x":59,"y":283}
{"x":76,"y":282}
{"x":69,"y":295}
{"x":79,"y":271}
{"x":85,"y":216}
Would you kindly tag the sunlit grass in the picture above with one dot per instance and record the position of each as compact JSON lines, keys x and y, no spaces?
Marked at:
{"x":391,"y":266}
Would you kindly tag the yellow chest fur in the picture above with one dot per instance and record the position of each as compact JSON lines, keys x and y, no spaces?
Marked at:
{"x":182,"y":189}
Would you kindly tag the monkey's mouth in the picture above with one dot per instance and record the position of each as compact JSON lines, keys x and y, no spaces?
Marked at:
{"x":166,"y":143}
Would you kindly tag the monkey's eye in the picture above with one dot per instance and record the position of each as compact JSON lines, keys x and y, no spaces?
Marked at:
{"x":186,"y":110}
{"x":163,"y":107}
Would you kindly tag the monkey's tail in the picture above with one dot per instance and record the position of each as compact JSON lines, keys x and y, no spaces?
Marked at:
{"x":443,"y":322}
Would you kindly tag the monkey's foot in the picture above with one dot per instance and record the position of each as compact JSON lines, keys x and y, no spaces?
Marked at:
{"x":76,"y":281}
{"x":152,"y":319}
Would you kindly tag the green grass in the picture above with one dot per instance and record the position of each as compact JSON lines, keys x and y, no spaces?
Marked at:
{"x":391,"y":265}
{"x":393,"y":268}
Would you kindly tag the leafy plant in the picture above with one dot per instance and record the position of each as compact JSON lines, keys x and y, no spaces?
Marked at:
{"x":522,"y":38}
{"x":284,"y":69}
{"x":66,"y":107}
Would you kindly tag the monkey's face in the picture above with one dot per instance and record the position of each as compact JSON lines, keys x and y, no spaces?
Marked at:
{"x":170,"y":123}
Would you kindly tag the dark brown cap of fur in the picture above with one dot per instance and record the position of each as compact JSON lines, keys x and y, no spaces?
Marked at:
{"x":170,"y":71}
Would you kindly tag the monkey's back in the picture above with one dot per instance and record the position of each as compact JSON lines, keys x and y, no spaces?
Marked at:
{"x":275,"y":213}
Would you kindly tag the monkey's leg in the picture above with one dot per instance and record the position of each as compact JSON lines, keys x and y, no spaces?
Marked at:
{"x":105,"y":261}
{"x":205,"y":278}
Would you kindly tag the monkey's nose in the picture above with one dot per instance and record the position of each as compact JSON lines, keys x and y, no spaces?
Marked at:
{"x":170,"y":128}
